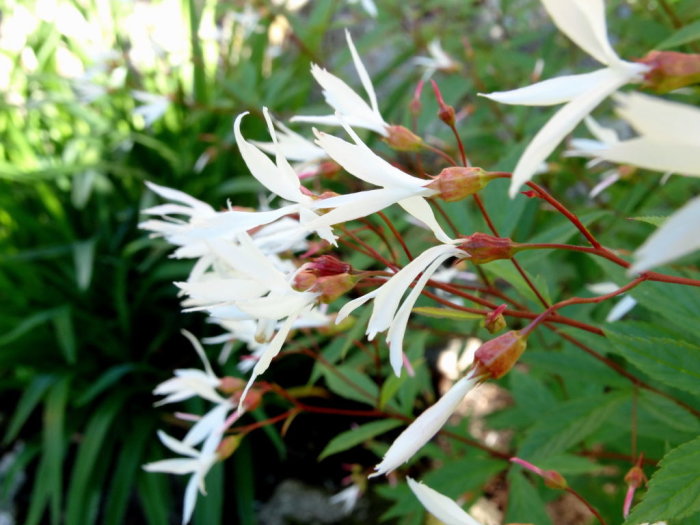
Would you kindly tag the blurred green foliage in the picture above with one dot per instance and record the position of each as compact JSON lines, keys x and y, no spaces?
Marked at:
{"x":90,"y":319}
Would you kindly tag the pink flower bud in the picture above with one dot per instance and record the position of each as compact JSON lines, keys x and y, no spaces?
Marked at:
{"x":496,"y":357}
{"x":494,"y":321}
{"x":670,"y":70}
{"x":230,"y":385}
{"x":552,"y":478}
{"x":456,"y":183}
{"x":228,"y":446}
{"x":403,"y":139}
{"x":484,"y":248}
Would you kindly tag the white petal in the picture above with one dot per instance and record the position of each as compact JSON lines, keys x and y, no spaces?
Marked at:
{"x":227,"y":224}
{"x":656,"y":155}
{"x":583,"y":21}
{"x":421,"y":210}
{"x":424,"y":427}
{"x":440,"y":506}
{"x":621,"y":308}
{"x":676,"y":237}
{"x":659,"y":118}
{"x":398,"y":324}
{"x":190,"y":499}
{"x":362,"y":73}
{"x":603,"y":134}
{"x":351,"y":306}
{"x":390,"y":293}
{"x":200,"y":352}
{"x":211,"y":423}
{"x":172,"y":466}
{"x":277,"y":306}
{"x":262,"y":168}
{"x":351,"y":120}
{"x":214,"y":291}
{"x":176,"y":446}
{"x":551,"y":91}
{"x":563,"y":121}
{"x":273,"y":348}
{"x":179,"y":196}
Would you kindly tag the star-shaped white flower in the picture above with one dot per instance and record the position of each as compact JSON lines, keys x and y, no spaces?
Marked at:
{"x":388,"y":313}
{"x":583,"y":21}
{"x":439,"y":505}
{"x":345,"y":102}
{"x":437,"y":61}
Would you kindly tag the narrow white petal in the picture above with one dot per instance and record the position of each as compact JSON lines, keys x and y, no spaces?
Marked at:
{"x":175,"y":445}
{"x":190,"y":499}
{"x":283,"y":166}
{"x":397,"y":329}
{"x":212,"y":291}
{"x":440,"y":506}
{"x":583,"y":21}
{"x":676,"y":237}
{"x":656,"y":155}
{"x":603,"y":134}
{"x":362,"y":73}
{"x":228,"y":224}
{"x":390,"y":293}
{"x":262,"y":167}
{"x":172,"y":466}
{"x":551,"y":91}
{"x":658,"y":118}
{"x":351,"y":306}
{"x":424,"y":427}
{"x":179,"y":196}
{"x":277,"y":306}
{"x":621,"y":308}
{"x":421,"y":210}
{"x":211,"y":423}
{"x":273,"y":348}
{"x":352,"y":120}
{"x":563,"y":121}
{"x":200,"y":351}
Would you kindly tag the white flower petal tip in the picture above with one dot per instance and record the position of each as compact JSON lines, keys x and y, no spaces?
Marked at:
{"x":424,"y":427}
{"x":676,"y":237}
{"x":439,"y":505}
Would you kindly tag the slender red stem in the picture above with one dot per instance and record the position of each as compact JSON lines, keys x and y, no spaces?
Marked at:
{"x":396,"y":234}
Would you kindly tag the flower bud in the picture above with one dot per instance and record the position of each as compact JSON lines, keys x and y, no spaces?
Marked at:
{"x":228,"y":446}
{"x":456,"y":183}
{"x":329,"y":169}
{"x":496,"y":357}
{"x":635,"y":477}
{"x":333,"y":286}
{"x":446,"y":113}
{"x":327,"y":265}
{"x":552,"y":478}
{"x":403,"y":139}
{"x":327,"y":276}
{"x":230,"y":385}
{"x":251,"y":401}
{"x":670,"y":70}
{"x":494,"y":321}
{"x":484,"y":248}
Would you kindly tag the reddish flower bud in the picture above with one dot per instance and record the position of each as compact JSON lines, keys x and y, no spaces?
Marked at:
{"x":415,"y":104}
{"x":635,"y":477}
{"x":496,"y":357}
{"x":251,"y":401}
{"x":456,"y":183}
{"x":333,"y":286}
{"x":484,"y":248}
{"x":327,"y":265}
{"x":230,"y":385}
{"x":552,"y":478}
{"x":494,"y":321}
{"x":403,"y":139}
{"x":228,"y":446}
{"x":670,"y":70}
{"x":329,"y":169}
{"x":327,"y":276}
{"x":446,"y":113}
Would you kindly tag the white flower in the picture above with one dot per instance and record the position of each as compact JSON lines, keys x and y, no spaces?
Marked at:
{"x":424,"y":427}
{"x":396,"y":186}
{"x":621,"y":308}
{"x":347,"y":498}
{"x":676,"y":237}
{"x":198,"y":463}
{"x":440,"y":506}
{"x":191,"y":382}
{"x":583,"y":21}
{"x":345,"y":102}
{"x":152,"y":106}
{"x":437,"y":61}
{"x":294,"y":147}
{"x":387,"y":312}
{"x":669,"y":135}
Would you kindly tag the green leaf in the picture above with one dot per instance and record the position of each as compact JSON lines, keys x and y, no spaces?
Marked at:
{"x":655,"y":220}
{"x":155,"y":498}
{"x":684,"y":35}
{"x":524,"y":502}
{"x":63,"y":323}
{"x":445,"y":313}
{"x":355,"y":436}
{"x":106,"y":380}
{"x":674,"y":489}
{"x":30,"y":399}
{"x":244,"y":494}
{"x":670,"y":361}
{"x":350,"y":383}
{"x":568,"y":424}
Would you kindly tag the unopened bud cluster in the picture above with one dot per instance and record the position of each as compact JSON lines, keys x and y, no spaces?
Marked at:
{"x":456,"y":183}
{"x":669,"y":70}
{"x":327,"y":276}
{"x":483,"y":248}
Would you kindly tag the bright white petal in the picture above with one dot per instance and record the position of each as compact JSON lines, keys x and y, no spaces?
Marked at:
{"x":421,"y":210}
{"x":398,"y":325}
{"x":351,"y":306}
{"x":551,"y":91}
{"x":277,"y":306}
{"x":440,"y":506}
{"x":424,"y":427}
{"x":362,"y":73}
{"x":175,"y":445}
{"x":172,"y":466}
{"x":190,"y":499}
{"x":583,"y":21}
{"x":179,"y":196}
{"x":658,"y":118}
{"x":656,"y":155}
{"x":211,"y":423}
{"x":621,"y":308}
{"x":563,"y":121}
{"x":676,"y":237}
{"x":214,"y":291}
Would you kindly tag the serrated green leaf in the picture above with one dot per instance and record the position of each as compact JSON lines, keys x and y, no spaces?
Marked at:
{"x":684,"y":35}
{"x":675,"y":363}
{"x":674,"y":489}
{"x":355,"y":436}
{"x":445,"y":313}
{"x":524,"y":502}
{"x":568,"y":424}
